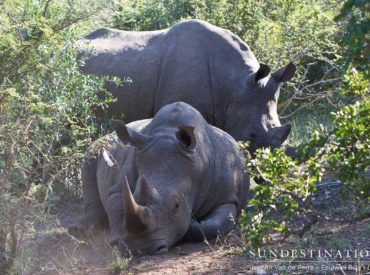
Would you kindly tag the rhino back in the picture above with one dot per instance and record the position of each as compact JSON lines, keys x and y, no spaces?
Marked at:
{"x":193,"y":61}
{"x":132,"y":55}
{"x":202,"y":66}
{"x":115,"y":52}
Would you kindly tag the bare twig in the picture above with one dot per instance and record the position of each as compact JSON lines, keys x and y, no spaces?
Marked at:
{"x":357,"y":218}
{"x":307,"y":227}
{"x":73,"y":21}
{"x":307,"y":89}
{"x":301,"y":107}
{"x":46,"y":7}
{"x":320,"y":82}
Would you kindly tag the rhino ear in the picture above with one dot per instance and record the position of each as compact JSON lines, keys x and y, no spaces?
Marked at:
{"x":262,"y":72}
{"x":284,"y":74}
{"x":130,"y":136}
{"x":186,"y":136}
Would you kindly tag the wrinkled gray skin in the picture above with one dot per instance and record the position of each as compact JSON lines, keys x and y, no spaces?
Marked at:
{"x":195,"y":62}
{"x":185,"y":180}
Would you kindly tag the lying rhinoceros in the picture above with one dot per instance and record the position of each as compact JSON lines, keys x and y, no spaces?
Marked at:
{"x":177,"y":176}
{"x":205,"y":66}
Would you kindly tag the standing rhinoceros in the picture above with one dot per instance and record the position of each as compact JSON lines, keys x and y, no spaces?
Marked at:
{"x":176,"y":176}
{"x":205,"y":66}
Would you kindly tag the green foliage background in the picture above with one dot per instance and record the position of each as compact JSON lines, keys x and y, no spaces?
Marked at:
{"x":46,"y":117}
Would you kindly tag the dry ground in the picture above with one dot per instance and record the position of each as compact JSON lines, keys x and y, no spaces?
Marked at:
{"x":53,"y":251}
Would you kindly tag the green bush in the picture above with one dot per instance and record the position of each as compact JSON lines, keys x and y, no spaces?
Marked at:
{"x":280,"y":197}
{"x":343,"y":150}
{"x":356,"y":40}
{"x":46,"y":117}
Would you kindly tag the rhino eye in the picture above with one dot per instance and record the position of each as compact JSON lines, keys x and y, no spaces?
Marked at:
{"x":175,"y":208}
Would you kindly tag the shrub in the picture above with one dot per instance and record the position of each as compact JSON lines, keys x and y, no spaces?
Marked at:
{"x":46,"y":117}
{"x":356,"y":40}
{"x":342,"y":150}
{"x":281,"y":195}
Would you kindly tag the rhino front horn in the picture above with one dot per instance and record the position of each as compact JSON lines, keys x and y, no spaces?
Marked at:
{"x":136,"y":217}
{"x":282,"y":132}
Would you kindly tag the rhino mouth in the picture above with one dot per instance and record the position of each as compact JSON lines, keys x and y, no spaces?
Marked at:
{"x":151,"y":247}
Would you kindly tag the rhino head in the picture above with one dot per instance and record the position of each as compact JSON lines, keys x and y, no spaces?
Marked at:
{"x":259,"y":122}
{"x":157,"y":207}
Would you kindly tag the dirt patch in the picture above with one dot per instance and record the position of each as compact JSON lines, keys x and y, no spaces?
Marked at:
{"x":59,"y":253}
{"x":53,"y":251}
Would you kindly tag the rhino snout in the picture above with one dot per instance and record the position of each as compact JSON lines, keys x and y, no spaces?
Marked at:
{"x":144,"y":245}
{"x":273,"y":138}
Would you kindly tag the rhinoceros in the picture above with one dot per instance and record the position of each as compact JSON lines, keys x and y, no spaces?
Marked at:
{"x":164,"y":179}
{"x":208,"y":67}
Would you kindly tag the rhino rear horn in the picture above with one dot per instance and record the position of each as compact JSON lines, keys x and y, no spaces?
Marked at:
{"x":284,"y":74}
{"x":135,"y":218}
{"x":144,"y":193}
{"x":130,"y":136}
{"x":186,"y":136}
{"x":282,"y":132}
{"x":262,"y":72}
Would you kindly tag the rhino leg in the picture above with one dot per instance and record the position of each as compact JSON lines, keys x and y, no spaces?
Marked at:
{"x":115,"y":217}
{"x":220,"y":221}
{"x":95,"y":214}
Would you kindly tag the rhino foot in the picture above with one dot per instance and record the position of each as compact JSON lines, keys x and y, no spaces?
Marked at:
{"x":115,"y":239}
{"x":123,"y":249}
{"x":94,"y":219}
